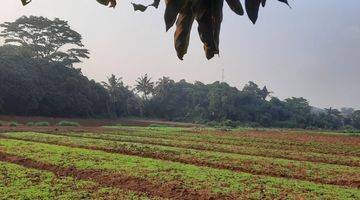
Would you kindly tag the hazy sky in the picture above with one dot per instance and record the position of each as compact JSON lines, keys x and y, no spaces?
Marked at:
{"x":311,"y":50}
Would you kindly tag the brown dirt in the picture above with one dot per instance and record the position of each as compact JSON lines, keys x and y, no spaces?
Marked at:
{"x":345,"y":181}
{"x":173,"y":190}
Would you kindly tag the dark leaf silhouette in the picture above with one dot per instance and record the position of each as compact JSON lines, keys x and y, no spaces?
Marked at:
{"x":252,"y":9}
{"x":110,"y":3}
{"x":172,"y":10}
{"x":25,"y":2}
{"x":208,"y":14}
{"x":183,"y":28}
{"x":236,"y":6}
{"x":139,"y":7}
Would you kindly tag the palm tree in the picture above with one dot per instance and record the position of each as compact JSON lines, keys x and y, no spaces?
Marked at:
{"x":145,"y":86}
{"x":114,"y":86}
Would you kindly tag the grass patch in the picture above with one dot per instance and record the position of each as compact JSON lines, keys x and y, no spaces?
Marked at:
{"x":68,"y":123}
{"x":158,"y":125}
{"x":41,"y":124}
{"x":30,"y":124}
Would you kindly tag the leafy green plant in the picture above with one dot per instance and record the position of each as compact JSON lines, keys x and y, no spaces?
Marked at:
{"x":68,"y":123}
{"x":41,"y":124}
{"x":30,"y":124}
{"x":14,"y":124}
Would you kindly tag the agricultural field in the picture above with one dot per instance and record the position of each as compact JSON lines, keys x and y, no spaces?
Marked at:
{"x":163,"y":162}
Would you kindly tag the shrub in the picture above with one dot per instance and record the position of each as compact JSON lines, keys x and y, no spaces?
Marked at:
{"x":30,"y":124}
{"x":229,"y":123}
{"x":68,"y":123}
{"x":213,"y":124}
{"x":14,"y":124}
{"x":41,"y":124}
{"x":224,"y":128}
{"x":350,"y":129}
{"x":158,"y":125}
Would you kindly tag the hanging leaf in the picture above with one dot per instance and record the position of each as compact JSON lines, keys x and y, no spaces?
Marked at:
{"x":252,"y":9}
{"x":25,"y":2}
{"x":236,"y":6}
{"x":172,"y":10}
{"x":208,"y":14}
{"x":155,"y":4}
{"x":139,"y":7}
{"x":183,"y":29}
{"x":110,"y":3}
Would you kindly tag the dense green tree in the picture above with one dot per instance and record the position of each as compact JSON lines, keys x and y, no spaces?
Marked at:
{"x":355,"y":117}
{"x":46,"y":39}
{"x":30,"y":86}
{"x":123,"y":101}
{"x":32,"y":83}
{"x":300,"y":110}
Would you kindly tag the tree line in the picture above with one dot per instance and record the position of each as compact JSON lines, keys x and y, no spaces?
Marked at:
{"x":38,"y":77}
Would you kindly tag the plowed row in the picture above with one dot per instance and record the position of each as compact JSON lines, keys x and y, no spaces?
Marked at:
{"x":177,"y":163}
{"x":320,"y":173}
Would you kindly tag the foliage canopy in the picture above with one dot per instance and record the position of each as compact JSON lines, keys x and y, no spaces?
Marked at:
{"x":46,"y":39}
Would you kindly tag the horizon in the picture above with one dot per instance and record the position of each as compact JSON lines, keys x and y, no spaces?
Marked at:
{"x":322,"y":64}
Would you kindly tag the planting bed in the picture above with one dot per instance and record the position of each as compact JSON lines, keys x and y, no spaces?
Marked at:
{"x":177,"y":163}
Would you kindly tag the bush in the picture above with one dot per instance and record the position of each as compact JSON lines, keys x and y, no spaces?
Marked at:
{"x":350,"y":129}
{"x":68,"y":123}
{"x":14,"y":124}
{"x":30,"y":124}
{"x":230,"y":123}
{"x":41,"y":124}
{"x":224,"y":128}
{"x":158,"y":125}
{"x":286,"y":124}
{"x":213,"y":123}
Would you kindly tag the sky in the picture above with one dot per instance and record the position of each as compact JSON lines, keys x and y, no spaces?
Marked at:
{"x":311,"y":50}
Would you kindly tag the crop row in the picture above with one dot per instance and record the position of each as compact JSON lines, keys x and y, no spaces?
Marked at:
{"x":18,"y":182}
{"x":317,"y":172}
{"x":244,"y":150}
{"x":189,"y":177}
{"x":240,"y":140}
